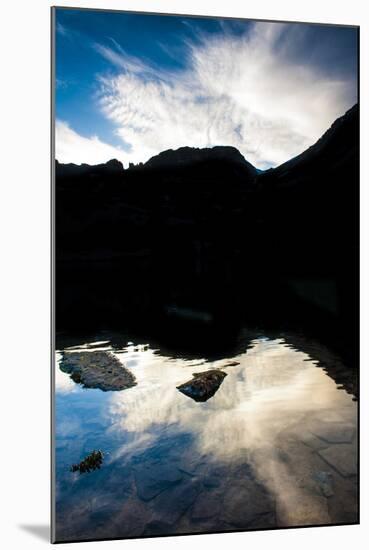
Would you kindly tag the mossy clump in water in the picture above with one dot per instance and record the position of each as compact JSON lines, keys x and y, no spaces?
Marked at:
{"x":92,"y":461}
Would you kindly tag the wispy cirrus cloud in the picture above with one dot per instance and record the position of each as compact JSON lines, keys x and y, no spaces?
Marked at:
{"x":61,"y":29}
{"x":258,"y":91}
{"x":245,"y":90}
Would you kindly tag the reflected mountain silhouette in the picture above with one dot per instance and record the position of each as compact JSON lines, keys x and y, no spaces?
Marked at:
{"x":197,"y":242}
{"x":196,"y":262}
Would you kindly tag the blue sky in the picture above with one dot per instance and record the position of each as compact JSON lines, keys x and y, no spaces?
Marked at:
{"x":131,"y":85}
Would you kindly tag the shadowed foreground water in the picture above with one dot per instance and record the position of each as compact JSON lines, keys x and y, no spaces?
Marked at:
{"x":275,"y":446}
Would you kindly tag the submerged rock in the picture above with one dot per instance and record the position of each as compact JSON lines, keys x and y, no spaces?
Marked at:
{"x":92,"y":461}
{"x":334,"y":432}
{"x":342,"y":457}
{"x":325,"y":483}
{"x":245,"y":502}
{"x":97,"y":369}
{"x":203,"y":385}
{"x":154,"y":477}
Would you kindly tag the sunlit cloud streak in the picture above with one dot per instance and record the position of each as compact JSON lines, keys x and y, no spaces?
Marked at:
{"x":254,"y":90}
{"x":241,"y":90}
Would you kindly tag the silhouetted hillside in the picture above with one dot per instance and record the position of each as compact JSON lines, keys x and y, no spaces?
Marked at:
{"x":70,"y":170}
{"x":201,"y":230}
{"x":330,"y":152}
{"x":185,"y":156}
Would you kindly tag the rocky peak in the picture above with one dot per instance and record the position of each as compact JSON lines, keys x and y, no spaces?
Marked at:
{"x":192,"y":155}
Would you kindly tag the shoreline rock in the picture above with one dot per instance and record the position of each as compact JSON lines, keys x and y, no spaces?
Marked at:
{"x":203,"y":385}
{"x":97,"y":369}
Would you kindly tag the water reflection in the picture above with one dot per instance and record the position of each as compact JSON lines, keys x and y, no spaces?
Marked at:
{"x":274,"y":446}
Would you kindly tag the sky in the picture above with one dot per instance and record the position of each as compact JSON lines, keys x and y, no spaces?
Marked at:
{"x":129,"y":86}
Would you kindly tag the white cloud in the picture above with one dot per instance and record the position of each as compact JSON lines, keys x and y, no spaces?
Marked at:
{"x":245,"y":91}
{"x":71,"y":147}
{"x":256,"y":416}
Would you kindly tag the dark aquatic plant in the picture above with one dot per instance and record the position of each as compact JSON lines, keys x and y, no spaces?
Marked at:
{"x":92,"y":461}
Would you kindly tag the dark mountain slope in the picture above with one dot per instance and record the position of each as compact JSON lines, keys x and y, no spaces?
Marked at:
{"x":334,"y":149}
{"x":202,"y":230}
{"x":70,"y":170}
{"x":310,"y":202}
{"x":185,"y":156}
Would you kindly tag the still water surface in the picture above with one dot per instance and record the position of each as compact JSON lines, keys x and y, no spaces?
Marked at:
{"x":275,"y":446}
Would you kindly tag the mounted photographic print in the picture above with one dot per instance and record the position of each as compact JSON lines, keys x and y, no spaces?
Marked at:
{"x":205,"y":184}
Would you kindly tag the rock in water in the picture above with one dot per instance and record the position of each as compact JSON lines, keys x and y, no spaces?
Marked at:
{"x":97,"y":369}
{"x":203,"y":385}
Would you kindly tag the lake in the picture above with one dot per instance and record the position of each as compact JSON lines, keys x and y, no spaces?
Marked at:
{"x":275,"y":446}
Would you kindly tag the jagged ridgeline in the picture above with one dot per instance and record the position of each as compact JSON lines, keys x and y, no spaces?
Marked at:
{"x":203,"y":229}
